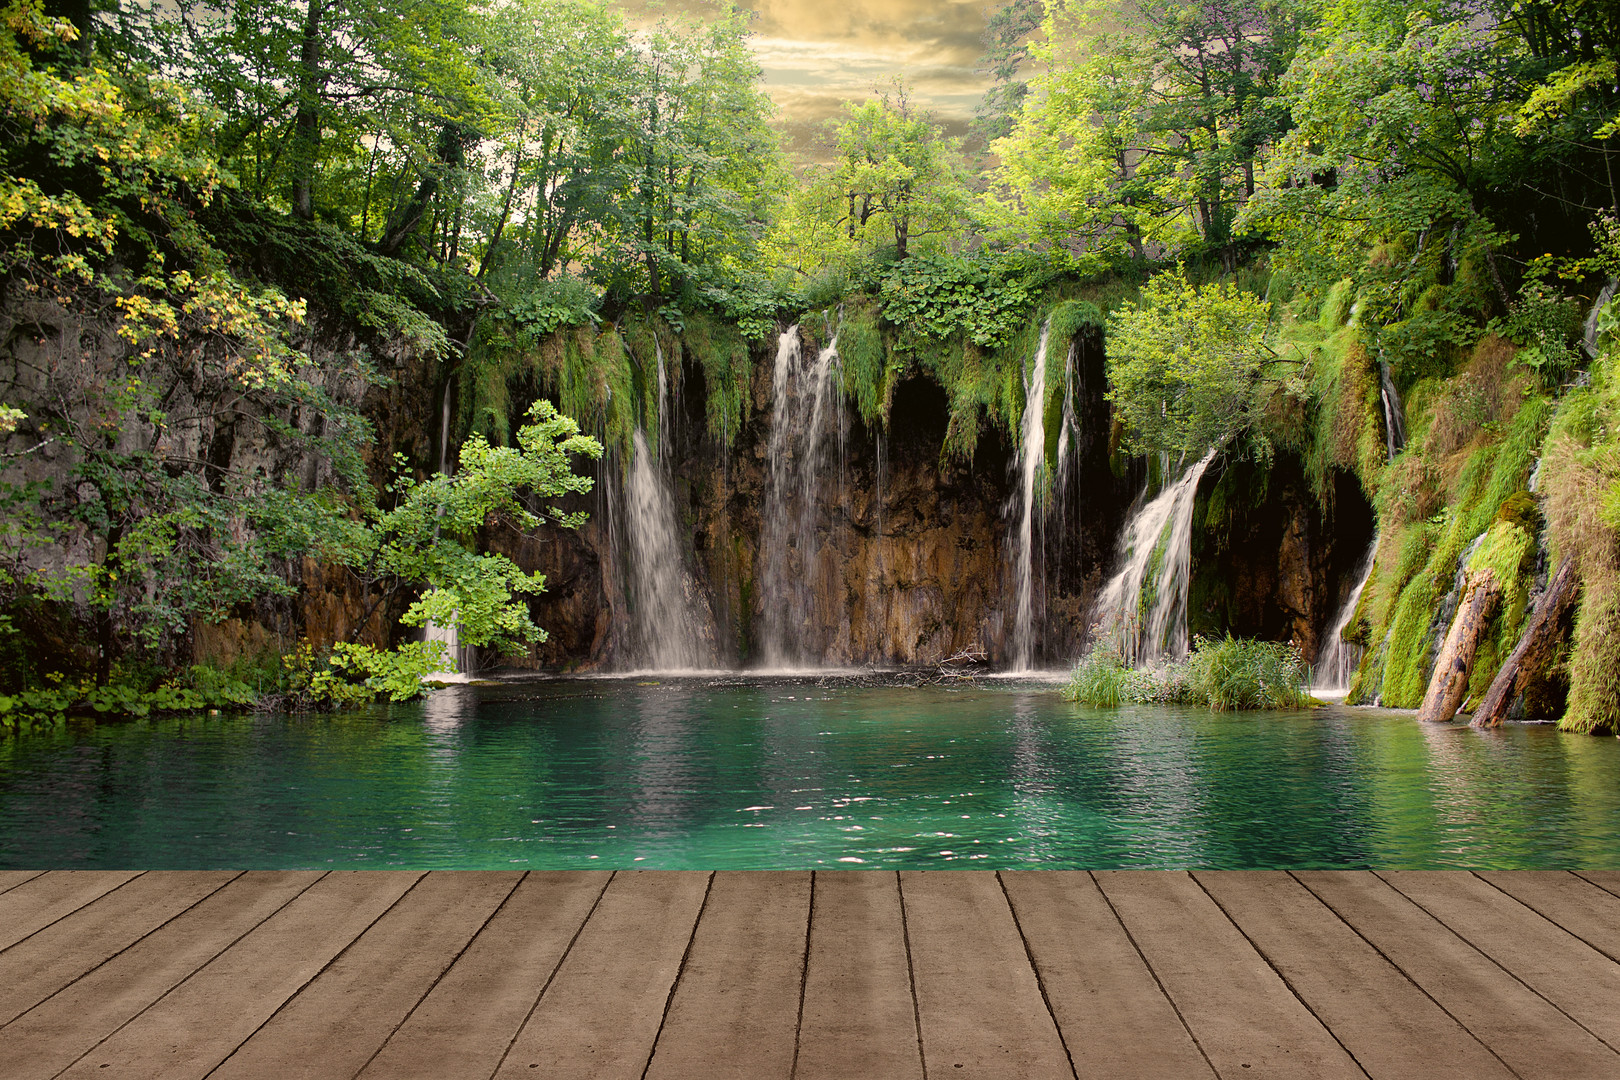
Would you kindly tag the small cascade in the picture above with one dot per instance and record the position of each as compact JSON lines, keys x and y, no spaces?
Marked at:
{"x":1394,"y":414}
{"x":1144,"y":606}
{"x":669,"y":634}
{"x":459,"y":658}
{"x":808,"y":415}
{"x":1031,"y":461}
{"x":1590,"y":337}
{"x":1338,"y":659}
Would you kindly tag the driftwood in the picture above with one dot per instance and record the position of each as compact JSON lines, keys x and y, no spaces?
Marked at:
{"x":1548,"y":626}
{"x":1448,"y":687}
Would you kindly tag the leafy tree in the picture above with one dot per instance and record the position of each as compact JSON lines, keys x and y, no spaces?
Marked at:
{"x":1190,"y":366}
{"x":1154,"y":127}
{"x":895,"y":181}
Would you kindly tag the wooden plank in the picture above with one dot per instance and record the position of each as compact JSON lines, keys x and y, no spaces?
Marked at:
{"x":10,"y":879}
{"x":1535,"y":1039}
{"x":1244,"y":1017}
{"x":1547,"y":958}
{"x":859,"y":1020}
{"x":461,"y":1029}
{"x":34,"y":905}
{"x":1588,"y":912}
{"x":600,"y":1017}
{"x":1607,"y":880}
{"x":200,"y":1022}
{"x":1112,"y":1012}
{"x":1392,"y":1028}
{"x":979,"y":1004}
{"x":736,"y":1007}
{"x":53,"y":1034}
{"x":352,"y":1006}
{"x":36,"y":968}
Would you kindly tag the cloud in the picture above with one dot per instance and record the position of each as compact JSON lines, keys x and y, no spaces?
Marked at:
{"x":816,"y":55}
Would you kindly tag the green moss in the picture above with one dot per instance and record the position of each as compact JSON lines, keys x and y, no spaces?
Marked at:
{"x":722,"y":352}
{"x":1336,"y":306}
{"x":1594,"y":667}
{"x":1405,"y":673}
{"x":865,"y":360}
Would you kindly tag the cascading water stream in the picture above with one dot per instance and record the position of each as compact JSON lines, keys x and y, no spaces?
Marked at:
{"x":1394,"y":413}
{"x":669,"y":635}
{"x":807,"y":404}
{"x":448,"y":636}
{"x":1338,"y":659}
{"x":1156,"y":550}
{"x":1031,"y":460}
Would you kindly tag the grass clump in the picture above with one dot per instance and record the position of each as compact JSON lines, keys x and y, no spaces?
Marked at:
{"x":1225,"y":674}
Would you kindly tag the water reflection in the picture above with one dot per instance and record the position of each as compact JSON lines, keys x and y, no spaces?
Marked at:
{"x":688,"y":774}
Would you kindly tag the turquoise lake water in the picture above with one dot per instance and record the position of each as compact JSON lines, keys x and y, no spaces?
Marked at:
{"x":728,"y":774}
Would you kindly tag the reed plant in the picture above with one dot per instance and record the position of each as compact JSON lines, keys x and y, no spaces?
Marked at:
{"x":1223,"y":674}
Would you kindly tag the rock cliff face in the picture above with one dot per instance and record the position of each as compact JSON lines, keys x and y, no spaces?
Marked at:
{"x":902,"y":559}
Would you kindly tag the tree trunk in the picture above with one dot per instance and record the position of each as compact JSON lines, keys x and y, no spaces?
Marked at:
{"x":1549,"y":626}
{"x":306,"y":132}
{"x":1448,"y":688}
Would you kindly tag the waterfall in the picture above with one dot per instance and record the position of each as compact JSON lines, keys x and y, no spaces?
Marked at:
{"x":1145,"y":604}
{"x":669,"y":634}
{"x":457,"y":657}
{"x":1590,"y":338}
{"x":1337,"y":660}
{"x":807,"y":407}
{"x":1394,"y":415}
{"x":1032,"y":458}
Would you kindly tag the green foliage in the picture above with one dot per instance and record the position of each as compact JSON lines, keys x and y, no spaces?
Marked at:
{"x":347,"y":676}
{"x":985,"y":299}
{"x":427,"y":539}
{"x":1548,"y":326}
{"x":196,"y":689}
{"x":1190,"y":367}
{"x":1223,"y":674}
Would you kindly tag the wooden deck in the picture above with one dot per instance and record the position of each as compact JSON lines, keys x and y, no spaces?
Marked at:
{"x":837,"y":975}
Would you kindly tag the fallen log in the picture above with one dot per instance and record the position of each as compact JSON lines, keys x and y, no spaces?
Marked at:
{"x":1549,"y":625}
{"x":1448,"y":687}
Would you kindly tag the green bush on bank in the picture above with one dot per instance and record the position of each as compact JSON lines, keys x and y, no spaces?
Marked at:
{"x":1224,"y":674}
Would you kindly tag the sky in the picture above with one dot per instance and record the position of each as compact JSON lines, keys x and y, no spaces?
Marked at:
{"x":816,"y":54}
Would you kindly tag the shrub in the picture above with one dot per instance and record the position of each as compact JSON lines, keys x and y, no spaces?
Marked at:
{"x":1224,"y":674}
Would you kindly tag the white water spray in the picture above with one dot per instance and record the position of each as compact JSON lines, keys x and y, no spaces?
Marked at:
{"x":1337,"y":660}
{"x":669,"y":634}
{"x":1156,"y":550}
{"x":1032,"y":460}
{"x":807,"y":408}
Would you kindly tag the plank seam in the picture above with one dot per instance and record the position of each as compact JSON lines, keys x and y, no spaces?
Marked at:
{"x":290,"y":998}
{"x":1594,"y":884}
{"x":75,"y":911}
{"x":83,"y":974}
{"x":804,"y":976}
{"x":669,"y":999}
{"x":1404,"y":973}
{"x":1278,"y":972}
{"x":1164,"y":990}
{"x":442,"y":973}
{"x":1549,"y":918}
{"x":1504,"y":968}
{"x":36,"y":875}
{"x":187,"y":978}
{"x":1040,"y":982}
{"x":567,"y":949}
{"x":911,"y":972}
